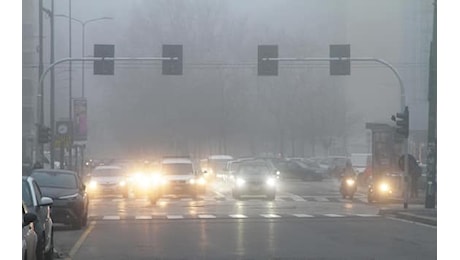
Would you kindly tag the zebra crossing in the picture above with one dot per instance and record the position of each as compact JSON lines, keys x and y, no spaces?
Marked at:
{"x":227,"y":216}
{"x":286,"y":198}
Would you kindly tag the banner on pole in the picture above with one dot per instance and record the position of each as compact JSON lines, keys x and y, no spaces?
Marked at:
{"x":80,"y":129}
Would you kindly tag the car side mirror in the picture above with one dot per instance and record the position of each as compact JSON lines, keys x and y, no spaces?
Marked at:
{"x":45,"y":201}
{"x":28,"y":218}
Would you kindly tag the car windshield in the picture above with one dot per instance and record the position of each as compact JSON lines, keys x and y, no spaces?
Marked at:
{"x":55,"y":179}
{"x":253,"y":169}
{"x":177,"y":169}
{"x":107,"y":172}
{"x":27,"y":194}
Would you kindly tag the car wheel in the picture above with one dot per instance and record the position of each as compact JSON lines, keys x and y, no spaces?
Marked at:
{"x":40,"y":250}
{"x":85,"y":218}
{"x":271,"y":196}
{"x":50,"y":254}
{"x":78,"y":223}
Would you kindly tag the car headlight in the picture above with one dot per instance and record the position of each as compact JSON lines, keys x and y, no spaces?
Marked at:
{"x":72,"y":196}
{"x":201,"y":181}
{"x":384,"y":187}
{"x":92,"y":184}
{"x":350,"y":182}
{"x":122,"y":183}
{"x":270,"y":182}
{"x":192,"y":181}
{"x":240,"y":182}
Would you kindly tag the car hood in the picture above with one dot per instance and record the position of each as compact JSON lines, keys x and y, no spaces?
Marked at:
{"x":55,"y":193}
{"x":178,"y":177}
{"x":107,"y":179}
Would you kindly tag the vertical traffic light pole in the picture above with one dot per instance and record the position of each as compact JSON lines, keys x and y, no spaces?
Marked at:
{"x":402,"y":102}
{"x":51,"y":66}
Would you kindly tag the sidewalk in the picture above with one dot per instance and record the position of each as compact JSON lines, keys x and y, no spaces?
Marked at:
{"x":417,"y":213}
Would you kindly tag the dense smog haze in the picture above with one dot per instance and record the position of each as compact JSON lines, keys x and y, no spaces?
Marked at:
{"x":219,"y":104}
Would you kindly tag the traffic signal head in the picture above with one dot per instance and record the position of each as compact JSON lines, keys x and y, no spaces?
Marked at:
{"x":267,"y":67}
{"x":172,"y":67}
{"x":44,"y":135}
{"x":402,"y":122}
{"x":104,"y":67}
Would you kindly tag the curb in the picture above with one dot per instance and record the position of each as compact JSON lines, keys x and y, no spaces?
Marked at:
{"x":432,"y":221}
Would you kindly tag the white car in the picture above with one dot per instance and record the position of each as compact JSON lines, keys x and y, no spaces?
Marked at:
{"x":108,"y":179}
{"x":180,"y":177}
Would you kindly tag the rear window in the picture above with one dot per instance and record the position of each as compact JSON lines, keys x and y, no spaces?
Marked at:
{"x":177,"y":169}
{"x":55,"y":180}
{"x":107,"y":172}
{"x":26,"y":194}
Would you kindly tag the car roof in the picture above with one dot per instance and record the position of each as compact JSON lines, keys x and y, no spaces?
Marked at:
{"x":107,"y":167}
{"x":54,"y":171}
{"x":220,"y":157}
{"x":176,"y":160}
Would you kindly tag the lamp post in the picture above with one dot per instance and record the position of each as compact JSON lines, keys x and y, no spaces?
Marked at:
{"x":83,"y":24}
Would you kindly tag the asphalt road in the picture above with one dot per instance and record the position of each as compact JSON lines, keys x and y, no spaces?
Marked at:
{"x":308,"y":220}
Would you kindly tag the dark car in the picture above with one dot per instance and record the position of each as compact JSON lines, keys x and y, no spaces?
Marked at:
{"x":254,"y":178}
{"x":70,"y":205}
{"x":297,"y":169}
{"x":39,"y":205}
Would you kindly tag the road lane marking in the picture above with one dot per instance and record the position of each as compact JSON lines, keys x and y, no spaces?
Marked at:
{"x":143,"y":217}
{"x":174,"y":217}
{"x":303,"y":215}
{"x":80,"y":241}
{"x":206,"y":216}
{"x":238,"y":216}
{"x":413,"y":222}
{"x":366,"y":215}
{"x":111,"y":218}
{"x":270,"y":216}
{"x":333,"y":215}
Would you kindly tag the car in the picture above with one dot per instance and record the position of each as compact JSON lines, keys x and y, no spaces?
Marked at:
{"x":179,"y":177}
{"x":309,"y":169}
{"x":215,"y":166}
{"x":39,"y":205}
{"x":108,"y":180}
{"x":70,"y":200}
{"x":29,"y":236}
{"x":254,"y":177}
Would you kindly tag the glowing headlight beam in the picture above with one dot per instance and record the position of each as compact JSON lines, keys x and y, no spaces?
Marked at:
{"x":384,"y":187}
{"x":350,"y":182}
{"x":271,"y":182}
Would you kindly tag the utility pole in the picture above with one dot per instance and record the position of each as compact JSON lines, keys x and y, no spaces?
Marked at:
{"x":431,"y":190}
{"x":41,"y":116}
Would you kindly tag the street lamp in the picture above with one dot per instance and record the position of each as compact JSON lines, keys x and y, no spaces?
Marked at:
{"x":83,"y":24}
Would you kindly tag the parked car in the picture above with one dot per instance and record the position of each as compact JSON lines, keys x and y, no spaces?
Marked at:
{"x":29,"y":236}
{"x":70,"y":201}
{"x":108,"y":179}
{"x":39,"y":205}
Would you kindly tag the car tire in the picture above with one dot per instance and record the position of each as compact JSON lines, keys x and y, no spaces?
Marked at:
{"x":85,"y":218}
{"x":40,"y":250}
{"x":271,"y":196}
{"x":50,"y":254}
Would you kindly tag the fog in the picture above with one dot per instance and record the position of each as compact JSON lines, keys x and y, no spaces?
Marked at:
{"x":219,"y":104}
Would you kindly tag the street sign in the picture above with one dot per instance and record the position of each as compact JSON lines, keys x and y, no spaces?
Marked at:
{"x":104,"y":67}
{"x":339,"y":67}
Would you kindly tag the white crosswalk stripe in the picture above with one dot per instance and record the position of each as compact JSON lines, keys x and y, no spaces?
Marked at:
{"x":111,"y":218}
{"x":303,"y":215}
{"x":174,"y":217}
{"x":334,"y":215}
{"x":143,"y":217}
{"x":366,"y":215}
{"x":238,"y":216}
{"x":206,"y":216}
{"x":270,"y":216}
